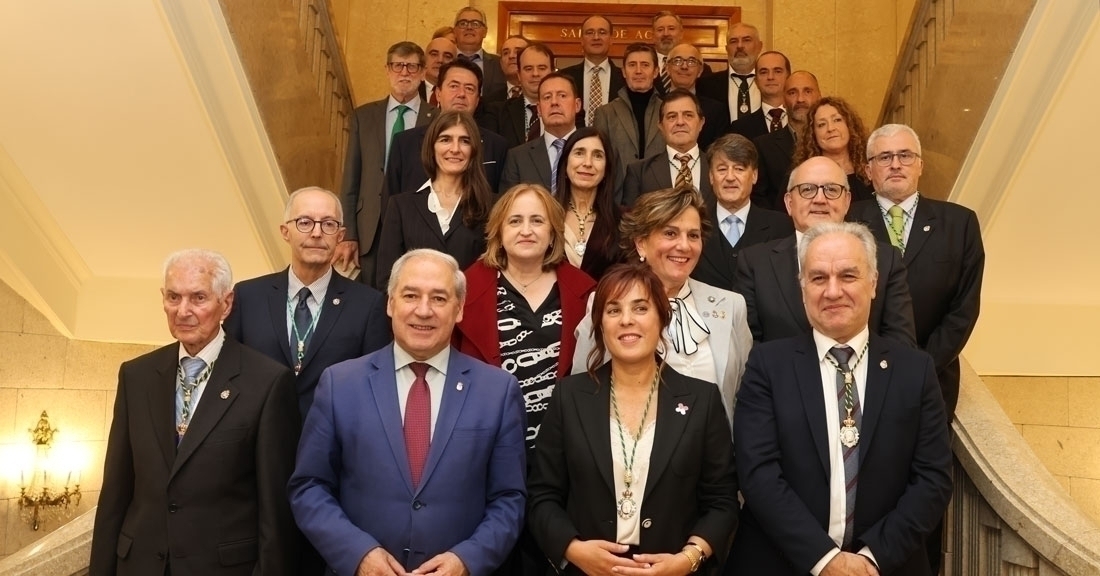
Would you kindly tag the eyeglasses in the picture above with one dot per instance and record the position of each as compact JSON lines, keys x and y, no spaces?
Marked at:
{"x":591,"y":32}
{"x":308,"y":225}
{"x":809,"y":191}
{"x":887,"y":158}
{"x":397,"y":67}
{"x":680,"y":61}
{"x":475,"y":24}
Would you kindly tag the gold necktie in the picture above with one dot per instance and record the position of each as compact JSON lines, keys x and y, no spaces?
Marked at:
{"x":683,"y":177}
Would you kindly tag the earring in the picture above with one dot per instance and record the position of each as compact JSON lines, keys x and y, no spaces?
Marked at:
{"x":641,"y":258}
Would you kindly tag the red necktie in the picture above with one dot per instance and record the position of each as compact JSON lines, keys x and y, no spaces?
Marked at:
{"x":418,"y":422}
{"x":776,"y":123}
{"x":433,"y":101}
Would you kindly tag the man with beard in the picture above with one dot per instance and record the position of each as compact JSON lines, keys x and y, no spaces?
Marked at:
{"x":800,"y":92}
{"x":772,"y":70}
{"x":737,"y":87}
{"x":668,"y":31}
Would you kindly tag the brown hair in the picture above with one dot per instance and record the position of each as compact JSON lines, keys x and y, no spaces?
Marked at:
{"x":806,"y":146}
{"x":476,"y":195}
{"x":656,"y":209}
{"x":736,"y":148}
{"x":495,"y":256}
{"x":614,"y":284}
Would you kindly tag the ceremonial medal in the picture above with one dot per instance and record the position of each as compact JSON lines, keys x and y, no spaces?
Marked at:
{"x":849,"y":434}
{"x":744,"y":108}
{"x":181,"y":429}
{"x":627,"y":507}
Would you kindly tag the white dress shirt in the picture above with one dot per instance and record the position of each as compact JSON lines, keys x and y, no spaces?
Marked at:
{"x":318,"y":290}
{"x":734,"y":87}
{"x":767,"y":108}
{"x":436,"y":377}
{"x":742,"y":218}
{"x":674,"y":165}
{"x":629,"y":531}
{"x":605,"y":81}
{"x":837,"y":490}
{"x":436,"y":207}
{"x":909,"y":206}
{"x":699,"y":364}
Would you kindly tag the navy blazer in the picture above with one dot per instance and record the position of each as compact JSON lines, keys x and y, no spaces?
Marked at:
{"x":767,"y":276}
{"x":353,"y":323}
{"x":718,"y":261}
{"x":781,"y":440}
{"x":352,"y":490}
{"x":691,"y":486}
{"x":405,"y":172}
{"x":945,"y":262}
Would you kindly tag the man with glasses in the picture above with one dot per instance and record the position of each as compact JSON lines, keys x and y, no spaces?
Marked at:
{"x":685,"y":66}
{"x":372,"y":128}
{"x":668,"y":31}
{"x":597,"y":77}
{"x":767,"y":274}
{"x":737,"y":87}
{"x":772,"y":70}
{"x":800,"y":93}
{"x":470,"y":30}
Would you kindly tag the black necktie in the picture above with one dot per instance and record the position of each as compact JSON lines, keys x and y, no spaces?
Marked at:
{"x":303,"y":319}
{"x":743,"y":103}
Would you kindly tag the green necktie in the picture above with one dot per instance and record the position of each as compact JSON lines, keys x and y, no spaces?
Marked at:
{"x":399,"y":123}
{"x":897,"y":227}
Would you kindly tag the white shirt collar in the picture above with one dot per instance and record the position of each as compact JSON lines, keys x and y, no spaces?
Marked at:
{"x":318,"y":289}
{"x":672,"y":153}
{"x":549,"y":138}
{"x":823,"y":343}
{"x":210,"y":352}
{"x":588,"y":66}
{"x":908,"y":205}
{"x":401,"y":358}
{"x":413,"y":104}
{"x":742,"y":213}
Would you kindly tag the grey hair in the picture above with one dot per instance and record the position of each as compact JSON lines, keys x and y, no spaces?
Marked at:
{"x":855,"y":229}
{"x":294,"y":195}
{"x":479,"y":11}
{"x":887,"y":130}
{"x":456,"y":271}
{"x":222,"y":281}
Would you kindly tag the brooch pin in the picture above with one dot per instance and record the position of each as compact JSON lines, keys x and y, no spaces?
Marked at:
{"x":927,"y":228}
{"x":335,"y":301}
{"x":459,"y":387}
{"x":682,"y":409}
{"x":883,"y":364}
{"x":224,"y":395}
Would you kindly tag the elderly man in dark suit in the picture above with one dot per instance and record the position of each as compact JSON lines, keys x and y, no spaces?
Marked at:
{"x":767,"y":273}
{"x":458,"y":89}
{"x":201,"y":446}
{"x":371,"y":130}
{"x":412,"y":458}
{"x":772,"y":70}
{"x":840,"y":433}
{"x":735,"y":222}
{"x":536,"y":161}
{"x":681,"y":162}
{"x":631,"y":119}
{"x":596,"y":77}
{"x":800,"y":93}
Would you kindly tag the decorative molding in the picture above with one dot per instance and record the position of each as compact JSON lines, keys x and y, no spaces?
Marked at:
{"x":328,"y":67}
{"x":210,"y":57}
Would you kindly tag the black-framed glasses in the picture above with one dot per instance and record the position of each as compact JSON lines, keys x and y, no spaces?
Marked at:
{"x":809,"y":191}
{"x":397,"y":67}
{"x":681,"y":61}
{"x":885,"y":159}
{"x":307,"y":225}
{"x":475,"y":24}
{"x":592,"y":32}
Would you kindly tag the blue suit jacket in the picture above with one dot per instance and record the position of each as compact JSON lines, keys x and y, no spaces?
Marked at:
{"x":353,"y":323}
{"x":351,"y":490}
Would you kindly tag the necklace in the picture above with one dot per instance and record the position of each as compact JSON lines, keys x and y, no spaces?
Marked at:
{"x":522,"y":286}
{"x":627,"y":507}
{"x":300,"y":339}
{"x":582,"y":242}
{"x":849,"y":434}
{"x":188,"y":390}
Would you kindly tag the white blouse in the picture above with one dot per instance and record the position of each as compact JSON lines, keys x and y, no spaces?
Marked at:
{"x":629,"y":531}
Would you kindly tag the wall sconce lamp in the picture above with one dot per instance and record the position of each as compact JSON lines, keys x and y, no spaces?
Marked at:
{"x":40,"y":499}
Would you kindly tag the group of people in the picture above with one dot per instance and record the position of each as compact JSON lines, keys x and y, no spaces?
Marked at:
{"x":644,"y":320}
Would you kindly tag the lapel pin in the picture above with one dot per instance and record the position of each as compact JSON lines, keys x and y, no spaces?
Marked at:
{"x":459,"y":387}
{"x":927,"y":228}
{"x":224,"y":395}
{"x":682,"y":409}
{"x":710,"y":299}
{"x":883,"y":364}
{"x":335,"y":301}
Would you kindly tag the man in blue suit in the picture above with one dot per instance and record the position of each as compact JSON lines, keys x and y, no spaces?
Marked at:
{"x":334,"y":318}
{"x":412,"y":458}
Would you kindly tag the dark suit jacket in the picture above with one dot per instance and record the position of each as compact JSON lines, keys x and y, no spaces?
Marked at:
{"x":717,"y":120}
{"x":691,"y":487}
{"x":718,"y":262}
{"x":216,"y":503}
{"x":655,"y":173}
{"x":576,"y":72}
{"x":717,"y":87}
{"x":508,"y":119}
{"x":353,"y":323}
{"x":767,"y":276}
{"x":493,"y":79}
{"x":476,"y":335}
{"x":616,"y":120}
{"x":410,"y":225}
{"x":529,"y":162}
{"x":405,"y":171}
{"x":596,"y":259}
{"x":945,"y":261}
{"x":780,"y":433}
{"x":751,"y":126}
{"x":775,"y":150}
{"x":352,"y":490}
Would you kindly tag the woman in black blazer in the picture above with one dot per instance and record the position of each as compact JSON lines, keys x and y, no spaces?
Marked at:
{"x":448,"y":212}
{"x":633,"y":464}
{"x":586,"y":191}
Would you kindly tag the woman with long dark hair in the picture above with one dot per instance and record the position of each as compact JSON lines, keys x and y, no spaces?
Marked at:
{"x":586,"y":190}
